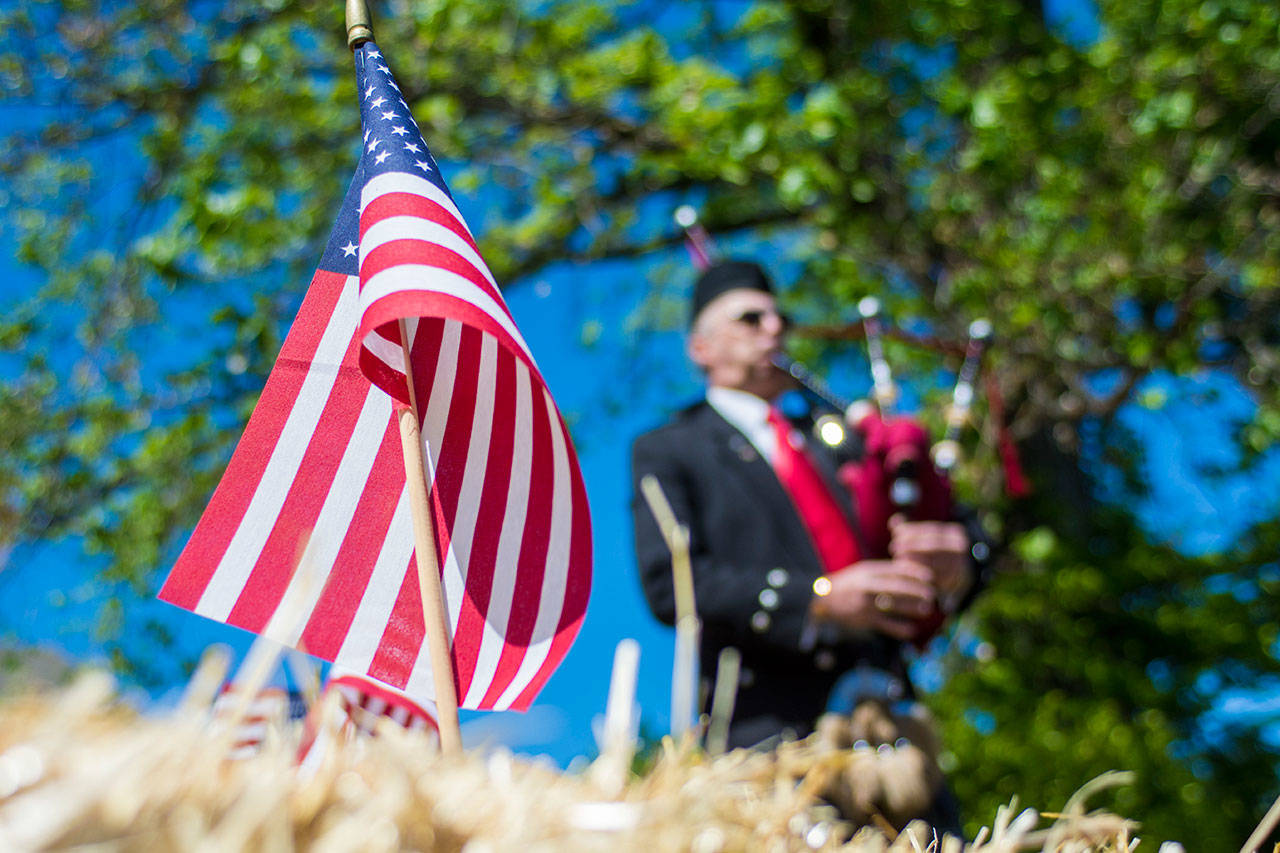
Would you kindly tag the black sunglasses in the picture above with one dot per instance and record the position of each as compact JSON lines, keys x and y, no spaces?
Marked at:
{"x":755,"y":318}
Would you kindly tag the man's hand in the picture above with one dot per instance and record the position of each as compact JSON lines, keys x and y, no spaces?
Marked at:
{"x":941,"y":547}
{"x":877,"y":595}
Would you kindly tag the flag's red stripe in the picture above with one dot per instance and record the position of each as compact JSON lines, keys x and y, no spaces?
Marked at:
{"x":451,"y":455}
{"x":469,"y":632}
{"x":388,"y":310}
{"x":377,"y":371}
{"x":532,"y":562}
{"x":312,"y":483}
{"x":336,"y":608}
{"x":428,"y":347}
{"x":577,"y":585}
{"x":200,"y":558}
{"x":404,"y":634}
{"x":442,"y":536}
{"x":410,"y":250}
{"x":412,"y":204}
{"x":425,"y":356}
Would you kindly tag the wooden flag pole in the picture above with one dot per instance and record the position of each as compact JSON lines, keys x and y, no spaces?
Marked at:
{"x":439,"y":643}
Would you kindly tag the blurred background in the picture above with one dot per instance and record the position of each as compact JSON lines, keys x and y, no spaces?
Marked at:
{"x":1099,"y":179}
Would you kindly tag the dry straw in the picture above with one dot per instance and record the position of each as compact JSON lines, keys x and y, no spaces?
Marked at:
{"x":80,"y":771}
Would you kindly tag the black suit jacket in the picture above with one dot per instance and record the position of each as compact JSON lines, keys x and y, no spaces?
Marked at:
{"x":753,"y":567}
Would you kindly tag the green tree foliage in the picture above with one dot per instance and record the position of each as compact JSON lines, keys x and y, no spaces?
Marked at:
{"x":1110,"y":204}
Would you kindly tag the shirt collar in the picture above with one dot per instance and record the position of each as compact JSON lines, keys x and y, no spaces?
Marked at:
{"x":744,"y":410}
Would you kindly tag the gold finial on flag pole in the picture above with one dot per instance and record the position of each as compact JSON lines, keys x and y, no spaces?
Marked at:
{"x":359,"y":24}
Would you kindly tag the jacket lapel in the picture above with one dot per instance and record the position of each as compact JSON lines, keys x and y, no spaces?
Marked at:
{"x":737,"y":453}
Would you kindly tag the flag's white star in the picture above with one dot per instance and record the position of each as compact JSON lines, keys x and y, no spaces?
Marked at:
{"x":373,"y":54}
{"x":385,"y":70}
{"x":384,"y":155}
{"x":374,"y":144}
{"x":369,"y":91}
{"x":366,"y":135}
{"x":349,"y":250}
{"x":379,"y":101}
{"x":392,"y":83}
{"x":412,"y":146}
{"x":423,"y":165}
{"x":388,"y":115}
{"x":399,"y":131}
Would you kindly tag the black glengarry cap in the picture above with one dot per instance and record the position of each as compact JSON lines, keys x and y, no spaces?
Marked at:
{"x":724,"y":276}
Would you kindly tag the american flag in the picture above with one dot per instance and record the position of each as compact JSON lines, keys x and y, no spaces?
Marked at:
{"x":365,"y":701}
{"x":321,"y":453}
{"x":362,"y":703}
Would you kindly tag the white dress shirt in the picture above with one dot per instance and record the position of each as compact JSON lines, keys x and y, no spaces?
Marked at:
{"x":749,"y":415}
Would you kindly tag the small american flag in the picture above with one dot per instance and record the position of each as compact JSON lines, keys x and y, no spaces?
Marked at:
{"x":321,"y":452}
{"x":365,"y":701}
{"x":362,"y":703}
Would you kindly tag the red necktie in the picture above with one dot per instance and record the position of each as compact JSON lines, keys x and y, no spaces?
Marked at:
{"x":827,"y":526}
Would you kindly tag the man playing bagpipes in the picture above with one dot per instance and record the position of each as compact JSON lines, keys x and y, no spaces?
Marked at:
{"x":785,"y":569}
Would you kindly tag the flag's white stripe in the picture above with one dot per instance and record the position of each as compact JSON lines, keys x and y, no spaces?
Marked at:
{"x":434,"y":420}
{"x":409,"y":227}
{"x":409,"y":278}
{"x":254,"y":731}
{"x":404,"y":182}
{"x":389,"y":353}
{"x":436,"y":416}
{"x":500,"y":596}
{"x":264,"y":702}
{"x":338,"y":509}
{"x":242,"y":553}
{"x":555,"y":580}
{"x":464,"y":526}
{"x":370,"y":620}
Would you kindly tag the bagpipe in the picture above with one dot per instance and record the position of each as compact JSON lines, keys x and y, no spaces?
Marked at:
{"x":886,"y":460}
